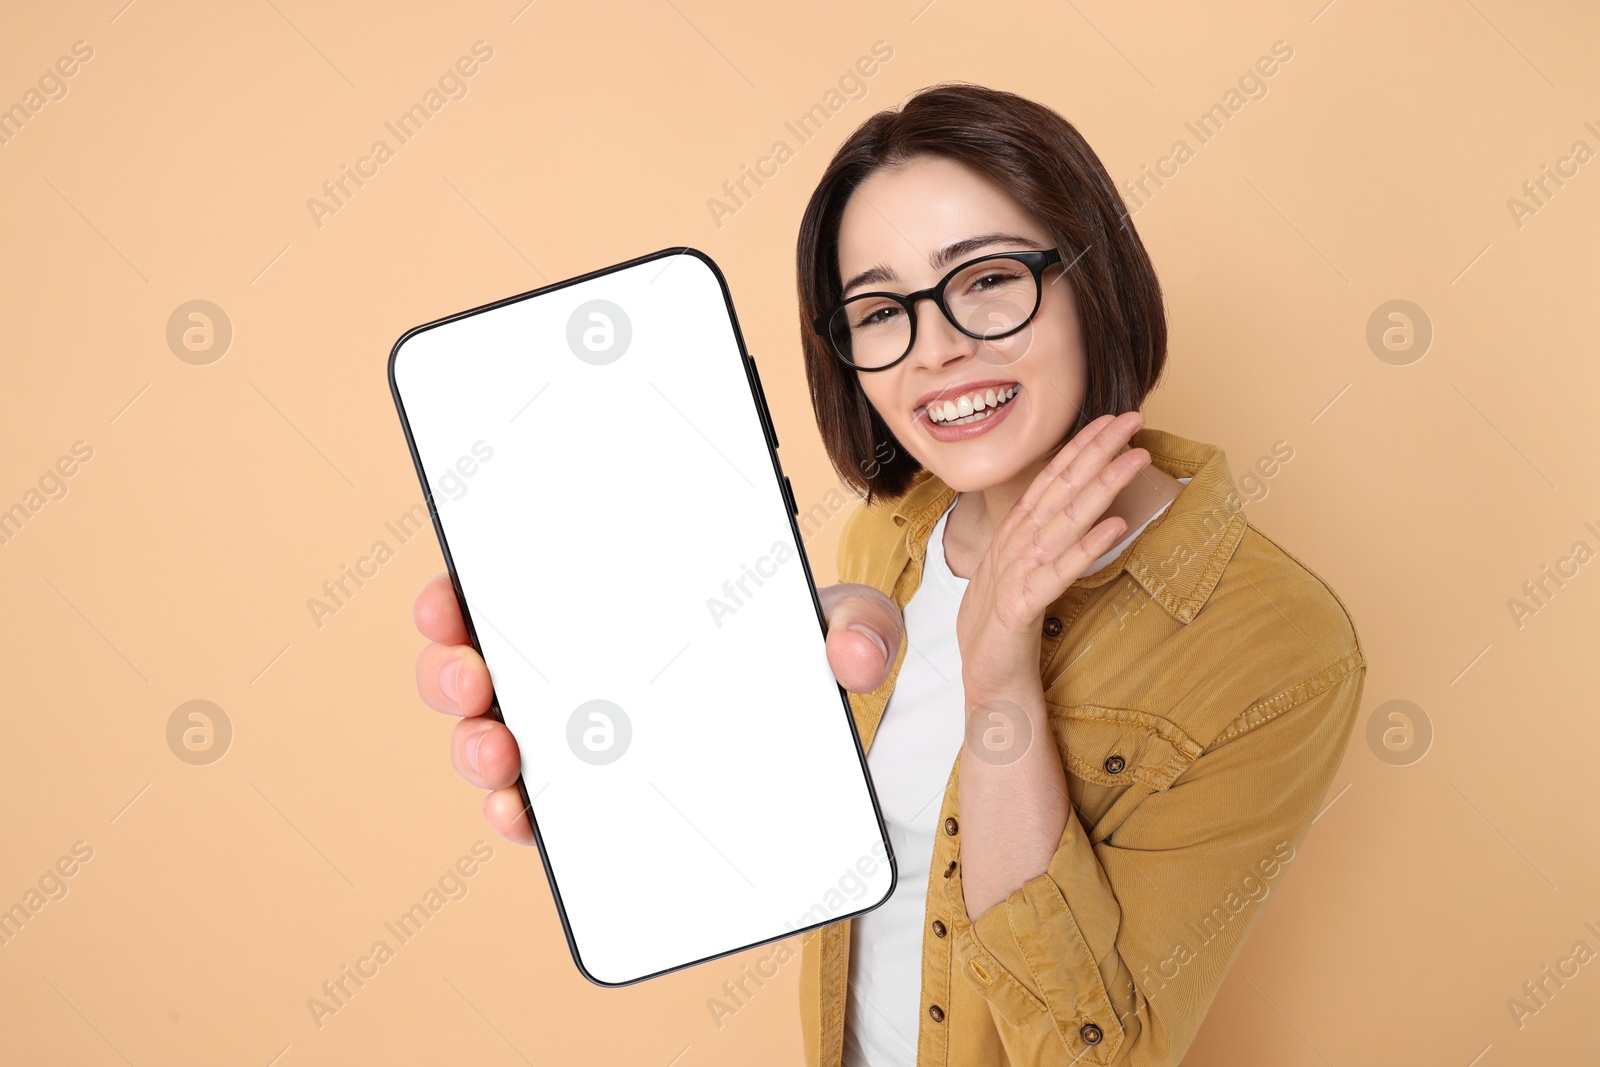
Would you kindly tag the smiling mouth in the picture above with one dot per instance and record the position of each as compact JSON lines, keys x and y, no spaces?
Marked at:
{"x":968,"y":408}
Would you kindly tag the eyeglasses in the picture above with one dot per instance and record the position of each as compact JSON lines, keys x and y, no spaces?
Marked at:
{"x":990,"y":297}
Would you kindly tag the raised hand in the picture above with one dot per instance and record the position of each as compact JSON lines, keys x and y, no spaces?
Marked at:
{"x":1044,"y":544}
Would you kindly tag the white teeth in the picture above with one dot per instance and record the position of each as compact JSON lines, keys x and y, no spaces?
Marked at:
{"x":970,"y":407}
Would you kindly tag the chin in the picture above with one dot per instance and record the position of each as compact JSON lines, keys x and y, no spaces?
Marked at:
{"x":963,"y":478}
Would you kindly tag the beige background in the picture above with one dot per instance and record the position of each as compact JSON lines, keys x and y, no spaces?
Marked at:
{"x":219,"y":498}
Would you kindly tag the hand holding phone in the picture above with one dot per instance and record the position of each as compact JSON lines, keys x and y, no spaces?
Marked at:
{"x":452,"y":678}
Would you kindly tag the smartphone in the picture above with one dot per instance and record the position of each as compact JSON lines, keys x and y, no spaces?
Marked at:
{"x":602,"y":472}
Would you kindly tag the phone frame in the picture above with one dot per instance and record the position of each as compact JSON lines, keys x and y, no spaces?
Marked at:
{"x":758,"y":398}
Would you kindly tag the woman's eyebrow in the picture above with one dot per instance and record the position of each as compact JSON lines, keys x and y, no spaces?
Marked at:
{"x":945,"y":255}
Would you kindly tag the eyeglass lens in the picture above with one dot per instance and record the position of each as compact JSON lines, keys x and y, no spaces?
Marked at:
{"x":987,"y":300}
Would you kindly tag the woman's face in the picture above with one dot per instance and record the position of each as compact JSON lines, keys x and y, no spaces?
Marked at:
{"x":898,"y":221}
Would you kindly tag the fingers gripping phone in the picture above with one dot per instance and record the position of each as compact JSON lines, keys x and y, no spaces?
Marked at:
{"x":602,"y":474}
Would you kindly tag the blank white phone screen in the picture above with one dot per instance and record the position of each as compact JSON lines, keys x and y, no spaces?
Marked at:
{"x":615,"y":519}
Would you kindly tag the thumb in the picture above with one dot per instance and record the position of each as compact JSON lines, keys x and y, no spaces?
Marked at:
{"x":865,"y":629}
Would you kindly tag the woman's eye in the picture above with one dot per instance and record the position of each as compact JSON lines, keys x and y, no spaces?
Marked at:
{"x":876,"y":316}
{"x":998,"y":278}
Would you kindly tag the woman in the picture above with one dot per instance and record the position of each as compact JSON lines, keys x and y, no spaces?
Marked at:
{"x":1100,"y":707}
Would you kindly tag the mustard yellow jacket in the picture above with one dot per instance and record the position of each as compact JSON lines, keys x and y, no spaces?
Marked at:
{"x":1202,"y":689}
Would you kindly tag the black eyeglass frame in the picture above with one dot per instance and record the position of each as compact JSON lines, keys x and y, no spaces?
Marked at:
{"x":1036,"y":260}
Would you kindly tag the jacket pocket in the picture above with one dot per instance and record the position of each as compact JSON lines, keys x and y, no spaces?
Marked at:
{"x":1119,"y":746}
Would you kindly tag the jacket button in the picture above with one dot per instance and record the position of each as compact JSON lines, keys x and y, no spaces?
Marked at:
{"x":938,"y":928}
{"x":948,"y":871}
{"x":1115,"y":764}
{"x":1052,"y":627}
{"x":1090,"y":1033}
{"x":950,"y":826}
{"x":936,"y":1013}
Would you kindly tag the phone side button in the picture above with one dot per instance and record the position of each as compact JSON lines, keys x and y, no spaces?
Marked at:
{"x":761,"y":394}
{"x":788,"y":491}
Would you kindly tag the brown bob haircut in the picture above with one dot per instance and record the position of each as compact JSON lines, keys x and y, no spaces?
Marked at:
{"x":1045,"y":164}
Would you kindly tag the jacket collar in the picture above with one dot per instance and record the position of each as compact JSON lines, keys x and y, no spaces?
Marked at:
{"x":1177,"y":559}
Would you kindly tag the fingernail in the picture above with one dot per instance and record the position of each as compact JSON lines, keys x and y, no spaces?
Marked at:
{"x":450,"y":680}
{"x":877,"y":641}
{"x":470,"y":753}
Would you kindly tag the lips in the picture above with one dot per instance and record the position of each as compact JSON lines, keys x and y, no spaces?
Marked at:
{"x":957,"y":390}
{"x":977,"y":405}
{"x":970,"y":427}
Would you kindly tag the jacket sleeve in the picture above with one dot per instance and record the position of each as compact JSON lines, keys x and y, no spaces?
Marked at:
{"x":1114,"y":954}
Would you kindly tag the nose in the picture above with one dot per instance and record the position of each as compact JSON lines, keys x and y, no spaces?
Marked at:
{"x":937,"y":341}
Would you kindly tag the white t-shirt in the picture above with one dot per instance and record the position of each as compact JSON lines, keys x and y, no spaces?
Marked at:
{"x":911,"y":758}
